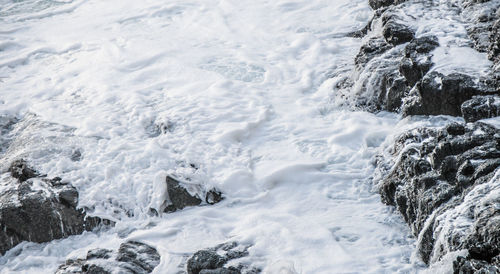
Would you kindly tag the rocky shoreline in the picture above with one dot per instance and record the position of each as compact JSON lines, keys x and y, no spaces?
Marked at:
{"x":444,"y":181}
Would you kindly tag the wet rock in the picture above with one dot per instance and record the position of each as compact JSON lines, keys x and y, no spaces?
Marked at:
{"x":446,"y":174}
{"x":179,"y":196}
{"x":131,"y":257}
{"x":372,"y":48}
{"x":138,"y":257}
{"x":380,"y":85}
{"x":494,"y":39}
{"x":36,"y":210}
{"x":20,"y":170}
{"x":438,"y":94}
{"x":213,"y":196}
{"x":204,"y":260}
{"x":376,"y":4}
{"x":396,"y":33}
{"x":466,"y":265}
{"x":481,"y":107}
{"x":417,"y":61}
{"x":213,"y":260}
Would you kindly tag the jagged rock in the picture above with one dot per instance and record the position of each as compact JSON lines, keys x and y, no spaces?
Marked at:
{"x":131,"y":257}
{"x":39,"y":210}
{"x":396,"y":33}
{"x":438,"y":94}
{"x":213,"y":260}
{"x":444,"y":174}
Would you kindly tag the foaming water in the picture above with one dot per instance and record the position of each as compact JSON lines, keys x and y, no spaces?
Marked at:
{"x":227,"y":94}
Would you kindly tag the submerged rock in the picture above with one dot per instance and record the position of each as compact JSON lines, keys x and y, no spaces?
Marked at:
{"x":131,"y":257}
{"x":39,"y":210}
{"x":442,"y":177}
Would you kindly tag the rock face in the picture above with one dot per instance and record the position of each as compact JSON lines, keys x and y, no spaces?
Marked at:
{"x":37,"y":209}
{"x":446,"y":184}
{"x":131,"y":257}
{"x":213,"y":260}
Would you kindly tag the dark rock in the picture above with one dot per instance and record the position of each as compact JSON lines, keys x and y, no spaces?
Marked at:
{"x":213,"y":196}
{"x":19,"y":169}
{"x":213,"y":260}
{"x":396,"y":33}
{"x":69,"y":196}
{"x":455,"y":129}
{"x":494,"y":39}
{"x":373,"y":47}
{"x":376,"y":4}
{"x":138,"y":257}
{"x":470,"y":266}
{"x":221,"y":270}
{"x":94,"y":269}
{"x":417,"y":61}
{"x":435,"y":171}
{"x":179,"y":196}
{"x":439,"y":94}
{"x":204,"y":259}
{"x":132,"y":257}
{"x":28,"y":214}
{"x":481,"y":107}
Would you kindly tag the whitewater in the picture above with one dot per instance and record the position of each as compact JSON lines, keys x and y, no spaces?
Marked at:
{"x":233,"y":95}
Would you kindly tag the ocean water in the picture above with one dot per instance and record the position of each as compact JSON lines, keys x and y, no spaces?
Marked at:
{"x":235,"y":95}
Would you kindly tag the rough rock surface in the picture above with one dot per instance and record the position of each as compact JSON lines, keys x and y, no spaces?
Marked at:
{"x":214,"y":260}
{"x":481,"y":107}
{"x":446,"y":184}
{"x":37,"y":209}
{"x":131,"y":257}
{"x":438,"y":94}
